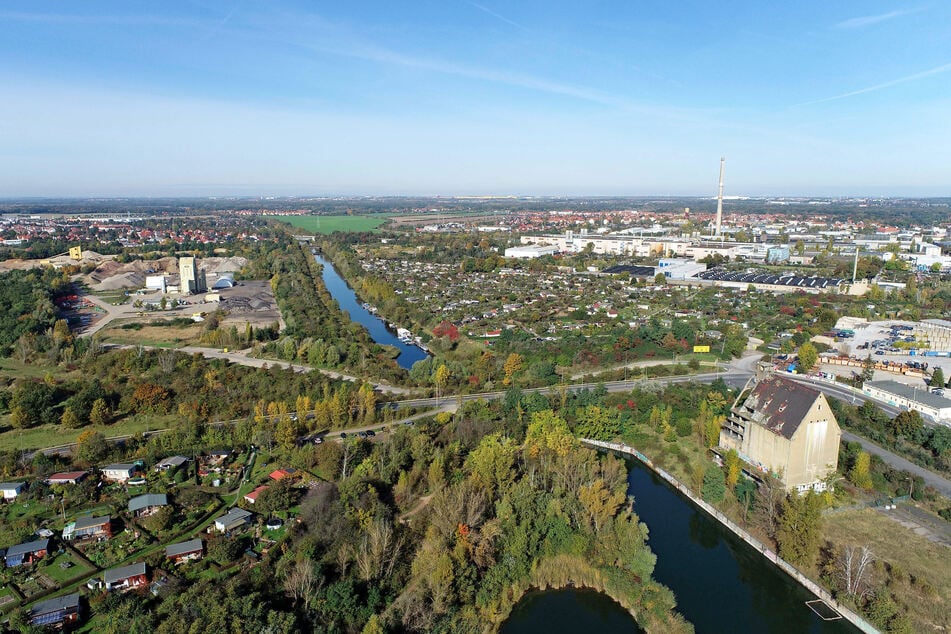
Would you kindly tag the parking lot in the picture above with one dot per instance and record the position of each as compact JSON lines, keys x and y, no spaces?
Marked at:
{"x":878,"y":339}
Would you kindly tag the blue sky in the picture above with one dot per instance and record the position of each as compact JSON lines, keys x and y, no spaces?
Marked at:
{"x":457,"y":97}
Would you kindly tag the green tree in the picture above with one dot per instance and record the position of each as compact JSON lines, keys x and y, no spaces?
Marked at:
{"x":868,"y":369}
{"x":808,"y":356}
{"x":799,"y":528}
{"x":937,"y":378}
{"x":598,"y":423}
{"x":907,"y":423}
{"x":714,"y":484}
{"x":91,"y":447}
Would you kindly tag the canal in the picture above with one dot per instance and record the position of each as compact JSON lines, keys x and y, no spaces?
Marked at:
{"x":721,"y":583}
{"x":379,"y":332}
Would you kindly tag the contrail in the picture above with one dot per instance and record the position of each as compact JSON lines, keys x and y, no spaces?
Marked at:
{"x":496,"y":15}
{"x":888,"y":84}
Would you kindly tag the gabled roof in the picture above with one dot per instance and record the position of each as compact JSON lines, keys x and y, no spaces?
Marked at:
{"x":147,"y":500}
{"x":282,"y":473}
{"x":119,"y":574}
{"x":66,"y":602}
{"x":12,"y":486}
{"x":121,"y":466}
{"x":67,"y":475}
{"x":234,"y":515}
{"x":89,"y":522}
{"x":183,"y":548}
{"x":28,"y":547}
{"x":253,"y":495}
{"x":172,"y":461}
{"x":779,"y":405}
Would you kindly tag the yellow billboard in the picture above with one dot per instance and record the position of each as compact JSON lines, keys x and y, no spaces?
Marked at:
{"x":701,"y":348}
{"x":76,"y":253}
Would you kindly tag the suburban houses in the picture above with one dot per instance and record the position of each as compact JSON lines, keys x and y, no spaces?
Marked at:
{"x":10,"y":490}
{"x":56,"y":611}
{"x":185,"y":551}
{"x":125,"y":578}
{"x":26,"y":553}
{"x":235,"y":518}
{"x":88,"y":528}
{"x":786,"y":429}
{"x":67,"y":477}
{"x":145,"y":505}
{"x":119,"y":472}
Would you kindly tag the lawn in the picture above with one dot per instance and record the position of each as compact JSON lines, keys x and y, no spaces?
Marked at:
{"x":329,"y":224}
{"x":15,"y":369}
{"x":55,"y":435}
{"x":918,"y":578}
{"x":61,"y":575}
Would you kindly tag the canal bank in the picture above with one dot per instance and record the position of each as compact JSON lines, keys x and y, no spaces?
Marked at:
{"x":723,"y":577}
{"x":379,"y":332}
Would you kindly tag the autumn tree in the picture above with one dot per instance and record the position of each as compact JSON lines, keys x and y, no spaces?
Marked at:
{"x":70,"y":419}
{"x":808,"y":357}
{"x":860,"y":475}
{"x":733,"y":467}
{"x":441,"y":378}
{"x":513,"y":364}
{"x":599,"y":503}
{"x":100,"y":414}
{"x":150,"y":398}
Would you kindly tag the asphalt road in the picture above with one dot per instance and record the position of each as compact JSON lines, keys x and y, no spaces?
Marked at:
{"x":844,"y":393}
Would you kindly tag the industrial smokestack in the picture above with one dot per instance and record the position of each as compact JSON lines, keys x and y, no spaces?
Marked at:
{"x":720,"y":199}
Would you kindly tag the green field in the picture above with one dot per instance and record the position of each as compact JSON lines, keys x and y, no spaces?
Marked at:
{"x":329,"y":224}
{"x":54,"y":435}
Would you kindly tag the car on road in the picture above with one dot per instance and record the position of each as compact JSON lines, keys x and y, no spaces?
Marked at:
{"x":371,"y":433}
{"x":362,"y":434}
{"x":343,"y":434}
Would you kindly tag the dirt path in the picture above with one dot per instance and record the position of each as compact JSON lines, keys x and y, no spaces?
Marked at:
{"x":423,"y":503}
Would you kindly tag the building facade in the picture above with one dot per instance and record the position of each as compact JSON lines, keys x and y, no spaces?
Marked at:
{"x":786,"y":429}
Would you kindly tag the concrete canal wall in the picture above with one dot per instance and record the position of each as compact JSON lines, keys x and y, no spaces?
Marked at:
{"x":773,"y":557}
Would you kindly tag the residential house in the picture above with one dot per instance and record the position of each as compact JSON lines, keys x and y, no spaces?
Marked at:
{"x":235,"y":518}
{"x":55,"y":611}
{"x":67,"y":477}
{"x":787,"y":429}
{"x":119,"y":472}
{"x":185,"y":551}
{"x":26,"y":553}
{"x":172,"y":462}
{"x":280,"y":474}
{"x":89,"y":528}
{"x":252,"y":497}
{"x":11,"y":490}
{"x":125,"y":577}
{"x":145,"y":505}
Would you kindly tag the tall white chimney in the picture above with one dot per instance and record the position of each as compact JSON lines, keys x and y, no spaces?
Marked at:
{"x":720,"y":198}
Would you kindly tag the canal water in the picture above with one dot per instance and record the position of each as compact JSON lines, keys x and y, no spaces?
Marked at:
{"x":379,"y":332}
{"x":721,"y":584}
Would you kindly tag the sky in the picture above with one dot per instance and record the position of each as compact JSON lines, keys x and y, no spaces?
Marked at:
{"x":458,"y":97}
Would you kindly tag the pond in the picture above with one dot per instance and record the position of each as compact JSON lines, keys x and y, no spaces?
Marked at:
{"x":568,"y":610}
{"x":376,"y":327}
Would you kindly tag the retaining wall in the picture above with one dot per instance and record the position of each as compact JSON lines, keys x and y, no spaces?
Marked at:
{"x":781,"y":563}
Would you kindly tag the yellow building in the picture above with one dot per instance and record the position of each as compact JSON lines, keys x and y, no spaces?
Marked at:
{"x":787,"y":429}
{"x":76,"y":253}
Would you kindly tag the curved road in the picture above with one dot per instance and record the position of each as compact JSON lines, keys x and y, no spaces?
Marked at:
{"x":850,"y":395}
